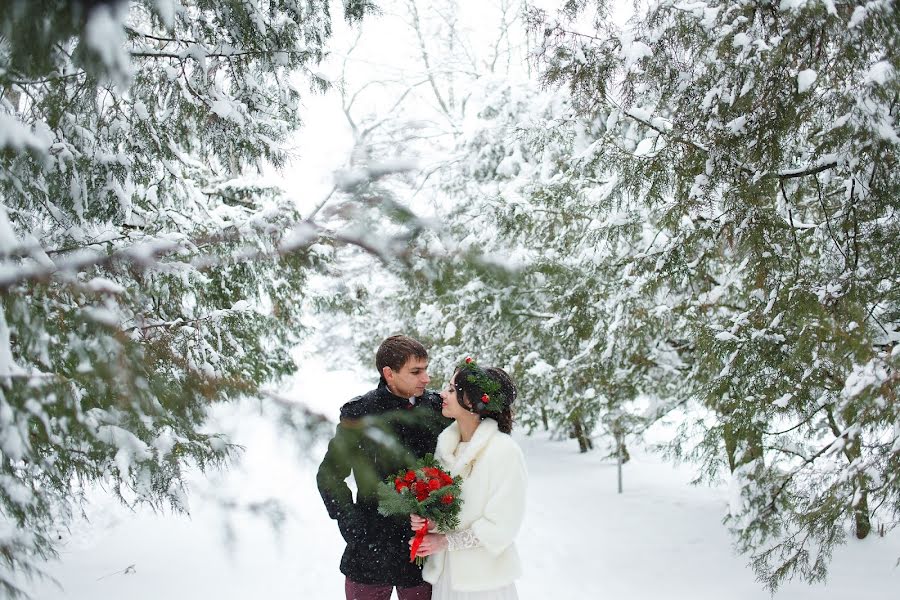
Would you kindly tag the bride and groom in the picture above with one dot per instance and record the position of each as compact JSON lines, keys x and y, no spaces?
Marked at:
{"x":466,"y":426}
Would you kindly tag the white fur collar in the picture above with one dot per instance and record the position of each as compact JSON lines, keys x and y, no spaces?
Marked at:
{"x":449,"y":439}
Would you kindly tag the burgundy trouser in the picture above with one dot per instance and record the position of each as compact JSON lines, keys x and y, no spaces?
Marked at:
{"x":363,"y":591}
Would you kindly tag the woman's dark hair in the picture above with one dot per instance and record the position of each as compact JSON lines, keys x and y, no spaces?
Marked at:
{"x":471,"y":390}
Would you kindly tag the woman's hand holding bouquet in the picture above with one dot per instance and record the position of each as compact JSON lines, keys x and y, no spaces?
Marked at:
{"x":430,"y":496}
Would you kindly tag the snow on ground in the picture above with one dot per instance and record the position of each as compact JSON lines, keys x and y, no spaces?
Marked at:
{"x":661,"y":538}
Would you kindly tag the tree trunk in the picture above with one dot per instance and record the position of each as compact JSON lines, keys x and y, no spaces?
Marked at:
{"x":579,"y":433}
{"x":861,"y":510}
{"x":620,"y":447}
{"x":861,"y":515}
{"x":624,"y":450}
{"x":852,"y":452}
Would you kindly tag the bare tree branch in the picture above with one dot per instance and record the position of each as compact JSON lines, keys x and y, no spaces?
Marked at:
{"x":417,"y":26}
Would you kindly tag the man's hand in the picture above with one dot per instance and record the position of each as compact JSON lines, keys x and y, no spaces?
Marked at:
{"x":431,"y":544}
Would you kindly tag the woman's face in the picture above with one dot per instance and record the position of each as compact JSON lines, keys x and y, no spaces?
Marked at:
{"x":452,"y":396}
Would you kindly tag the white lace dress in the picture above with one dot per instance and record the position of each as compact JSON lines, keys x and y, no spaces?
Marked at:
{"x":461,"y":540}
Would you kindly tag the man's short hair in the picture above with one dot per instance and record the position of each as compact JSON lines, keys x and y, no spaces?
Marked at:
{"x":396,"y":350}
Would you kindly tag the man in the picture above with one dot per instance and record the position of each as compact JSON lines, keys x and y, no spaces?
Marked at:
{"x":380,"y":433}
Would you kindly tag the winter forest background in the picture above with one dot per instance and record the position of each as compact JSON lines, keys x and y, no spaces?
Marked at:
{"x":675,"y":223}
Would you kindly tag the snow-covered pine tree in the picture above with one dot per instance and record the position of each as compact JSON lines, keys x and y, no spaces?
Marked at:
{"x":507,"y":195}
{"x":760,"y":141}
{"x":546,"y":200}
{"x":143,"y":274}
{"x":422,"y":114}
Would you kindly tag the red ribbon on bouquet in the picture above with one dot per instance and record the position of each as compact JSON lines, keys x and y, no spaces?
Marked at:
{"x":417,"y":541}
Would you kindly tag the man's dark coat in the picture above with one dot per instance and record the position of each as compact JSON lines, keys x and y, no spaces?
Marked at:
{"x":379,"y":434}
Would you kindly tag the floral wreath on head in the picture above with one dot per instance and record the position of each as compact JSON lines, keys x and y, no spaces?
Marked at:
{"x":493,"y":399}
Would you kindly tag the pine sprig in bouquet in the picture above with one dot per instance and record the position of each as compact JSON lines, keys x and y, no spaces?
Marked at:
{"x":426,"y":490}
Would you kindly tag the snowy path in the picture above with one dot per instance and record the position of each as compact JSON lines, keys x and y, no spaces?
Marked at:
{"x":661,"y":539}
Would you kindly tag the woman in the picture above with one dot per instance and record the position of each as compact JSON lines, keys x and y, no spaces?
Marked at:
{"x":478,"y":561}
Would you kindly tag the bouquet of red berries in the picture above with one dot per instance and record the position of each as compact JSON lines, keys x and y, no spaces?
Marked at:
{"x":425,"y":490}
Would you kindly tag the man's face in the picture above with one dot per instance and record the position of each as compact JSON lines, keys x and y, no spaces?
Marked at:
{"x":410,"y":380}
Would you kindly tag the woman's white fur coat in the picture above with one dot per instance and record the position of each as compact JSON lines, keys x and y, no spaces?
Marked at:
{"x":493,"y":504}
